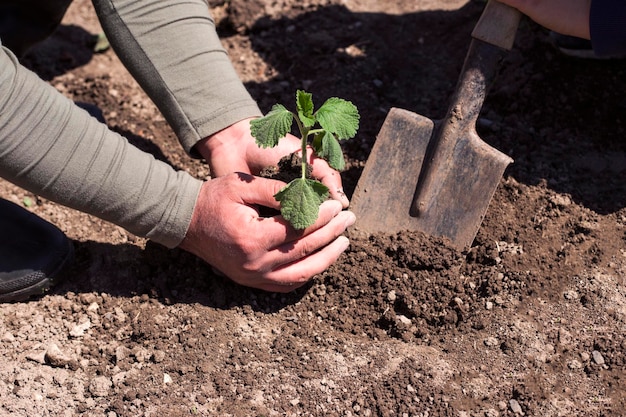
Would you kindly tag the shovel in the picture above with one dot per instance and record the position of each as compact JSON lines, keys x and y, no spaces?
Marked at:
{"x":438,"y":177}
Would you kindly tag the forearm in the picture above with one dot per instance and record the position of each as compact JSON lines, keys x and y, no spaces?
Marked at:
{"x":568,"y":17}
{"x":608,"y":27}
{"x":53,"y":148}
{"x":173,"y":51}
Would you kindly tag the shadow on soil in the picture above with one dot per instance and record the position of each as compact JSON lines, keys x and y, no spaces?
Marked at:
{"x":171,"y":276}
{"x":67,"y":48}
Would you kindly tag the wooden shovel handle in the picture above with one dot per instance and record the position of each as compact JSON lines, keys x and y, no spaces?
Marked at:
{"x":497,"y":25}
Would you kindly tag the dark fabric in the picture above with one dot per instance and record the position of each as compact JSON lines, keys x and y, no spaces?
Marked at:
{"x":24,"y":23}
{"x":607,"y":24}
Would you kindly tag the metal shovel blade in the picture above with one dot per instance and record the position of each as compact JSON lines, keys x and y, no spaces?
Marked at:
{"x":382,"y":198}
{"x":460,"y":193}
{"x":438,"y":177}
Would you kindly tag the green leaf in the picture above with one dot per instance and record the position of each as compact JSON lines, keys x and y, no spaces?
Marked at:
{"x":300,"y":201}
{"x":268,"y":130}
{"x":304,"y":101}
{"x":101,"y":43}
{"x":338,"y":116}
{"x":316,"y":143}
{"x":327,"y":147}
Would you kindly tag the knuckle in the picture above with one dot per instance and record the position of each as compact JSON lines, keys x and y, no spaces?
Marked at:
{"x":246,"y":246}
{"x":253,"y":266}
{"x":304,"y":249}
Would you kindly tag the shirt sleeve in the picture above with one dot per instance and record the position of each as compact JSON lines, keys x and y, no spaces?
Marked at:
{"x":607,"y":25}
{"x":173,"y":51}
{"x":52,"y":147}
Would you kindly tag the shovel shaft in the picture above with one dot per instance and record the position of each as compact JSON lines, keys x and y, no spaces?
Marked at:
{"x":478,"y":73}
{"x":479,"y":70}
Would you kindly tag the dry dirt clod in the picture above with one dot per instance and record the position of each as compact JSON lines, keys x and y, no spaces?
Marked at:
{"x":515,"y":407}
{"x":55,"y":357}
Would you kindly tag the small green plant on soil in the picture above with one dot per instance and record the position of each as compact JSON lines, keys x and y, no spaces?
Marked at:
{"x":335,"y":120}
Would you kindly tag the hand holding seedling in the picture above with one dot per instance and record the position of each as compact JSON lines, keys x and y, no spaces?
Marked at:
{"x":227,"y":231}
{"x":235,"y":150}
{"x":267,"y":253}
{"x":338,"y":119}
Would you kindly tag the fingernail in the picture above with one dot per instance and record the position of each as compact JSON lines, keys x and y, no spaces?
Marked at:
{"x":346,"y":242}
{"x":350,"y":218}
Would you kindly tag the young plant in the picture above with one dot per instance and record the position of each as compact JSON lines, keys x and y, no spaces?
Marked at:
{"x":335,"y":120}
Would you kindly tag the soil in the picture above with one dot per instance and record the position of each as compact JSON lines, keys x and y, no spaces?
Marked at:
{"x":529,"y":321}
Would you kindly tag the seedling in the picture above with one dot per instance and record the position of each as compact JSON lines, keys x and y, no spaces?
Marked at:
{"x":335,"y":120}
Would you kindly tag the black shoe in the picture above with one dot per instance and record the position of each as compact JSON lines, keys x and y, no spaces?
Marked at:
{"x":32,"y":253}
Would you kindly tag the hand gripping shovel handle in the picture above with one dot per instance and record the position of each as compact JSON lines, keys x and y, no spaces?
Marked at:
{"x":493,"y":36}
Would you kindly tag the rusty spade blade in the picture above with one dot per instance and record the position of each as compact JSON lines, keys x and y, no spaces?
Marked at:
{"x":439,"y":177}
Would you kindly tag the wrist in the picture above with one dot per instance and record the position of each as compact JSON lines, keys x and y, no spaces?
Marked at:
{"x":211,"y":146}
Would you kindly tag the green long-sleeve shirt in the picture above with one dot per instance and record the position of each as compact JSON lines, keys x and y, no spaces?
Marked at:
{"x":55,"y":149}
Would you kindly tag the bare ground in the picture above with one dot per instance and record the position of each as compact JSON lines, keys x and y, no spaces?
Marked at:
{"x":530,"y":321}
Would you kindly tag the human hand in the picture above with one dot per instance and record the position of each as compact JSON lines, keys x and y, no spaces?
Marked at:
{"x":235,"y":150}
{"x":567,"y":17}
{"x":227,"y":232}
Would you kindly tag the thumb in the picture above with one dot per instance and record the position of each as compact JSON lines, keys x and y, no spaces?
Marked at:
{"x":260,"y":190}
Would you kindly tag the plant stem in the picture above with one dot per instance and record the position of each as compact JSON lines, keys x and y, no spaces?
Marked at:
{"x":304,"y":134}
{"x":304,"y":157}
